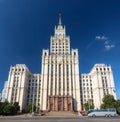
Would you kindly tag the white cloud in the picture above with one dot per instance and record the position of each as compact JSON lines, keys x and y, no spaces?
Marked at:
{"x":97,"y":37}
{"x":101,"y":38}
{"x":109,"y":47}
{"x":108,"y":44}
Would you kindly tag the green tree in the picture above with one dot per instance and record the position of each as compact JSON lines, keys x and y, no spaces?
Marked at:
{"x":117,"y":106}
{"x":17,"y":107}
{"x":118,"y":110}
{"x":108,"y":102}
{"x":1,"y":108}
{"x":89,"y":105}
{"x":2,"y":105}
{"x":9,"y":109}
{"x":28,"y":108}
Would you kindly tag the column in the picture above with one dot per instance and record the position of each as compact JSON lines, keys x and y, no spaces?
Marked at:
{"x":61,"y":79}
{"x":73,"y":77}
{"x":53,"y":78}
{"x":49,"y":77}
{"x":57,"y":74}
{"x":70,"y":76}
{"x":65,"y":77}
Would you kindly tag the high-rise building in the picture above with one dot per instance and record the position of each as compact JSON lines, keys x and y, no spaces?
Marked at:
{"x":60,"y":86}
{"x":17,"y":85}
{"x":96,"y":84}
{"x":60,"y":74}
{"x":4,"y":93}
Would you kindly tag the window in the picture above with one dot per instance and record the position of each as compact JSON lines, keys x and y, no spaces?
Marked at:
{"x":45,"y":53}
{"x":74,"y":53}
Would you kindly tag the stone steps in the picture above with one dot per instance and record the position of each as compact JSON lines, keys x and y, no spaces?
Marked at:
{"x":62,"y":113}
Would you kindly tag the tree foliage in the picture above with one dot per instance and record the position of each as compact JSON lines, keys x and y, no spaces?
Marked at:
{"x":118,"y":110}
{"x":117,"y":106}
{"x":89,"y":105}
{"x":17,"y":107}
{"x":110,"y":102}
{"x":9,"y":109}
{"x":28,"y":108}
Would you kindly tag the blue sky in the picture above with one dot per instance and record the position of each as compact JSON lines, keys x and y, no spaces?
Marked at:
{"x":26,"y":27}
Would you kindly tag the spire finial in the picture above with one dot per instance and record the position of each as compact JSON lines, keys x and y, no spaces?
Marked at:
{"x":60,"y":23}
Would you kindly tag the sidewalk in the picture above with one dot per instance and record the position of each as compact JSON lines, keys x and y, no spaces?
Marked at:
{"x":37,"y":116}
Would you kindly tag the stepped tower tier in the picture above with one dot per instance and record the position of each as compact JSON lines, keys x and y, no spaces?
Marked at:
{"x":60,"y":74}
{"x":60,"y":43}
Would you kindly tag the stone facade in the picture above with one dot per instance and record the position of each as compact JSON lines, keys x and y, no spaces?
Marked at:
{"x":60,"y":86}
{"x":96,"y":84}
{"x":17,"y":85}
{"x":60,"y":103}
{"x":60,"y":70}
{"x":103,"y":83}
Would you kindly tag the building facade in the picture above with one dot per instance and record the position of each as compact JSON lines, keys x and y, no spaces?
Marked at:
{"x":60,"y":86}
{"x":4,"y":93}
{"x":60,"y":74}
{"x":96,"y":84}
{"x":105,"y":83}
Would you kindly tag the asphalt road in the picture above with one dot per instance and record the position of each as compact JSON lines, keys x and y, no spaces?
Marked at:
{"x":61,"y":119}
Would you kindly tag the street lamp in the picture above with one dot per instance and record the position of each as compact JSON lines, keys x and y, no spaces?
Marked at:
{"x":33,"y":99}
{"x":89,"y":104}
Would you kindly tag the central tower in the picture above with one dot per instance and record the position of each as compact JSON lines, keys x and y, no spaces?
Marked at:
{"x":60,"y":43}
{"x":60,"y":74}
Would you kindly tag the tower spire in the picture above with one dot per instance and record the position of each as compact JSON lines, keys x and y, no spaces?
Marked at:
{"x":60,"y":22}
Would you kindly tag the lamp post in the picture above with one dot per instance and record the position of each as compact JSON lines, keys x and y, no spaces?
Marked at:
{"x":89,"y":104}
{"x":33,"y":99}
